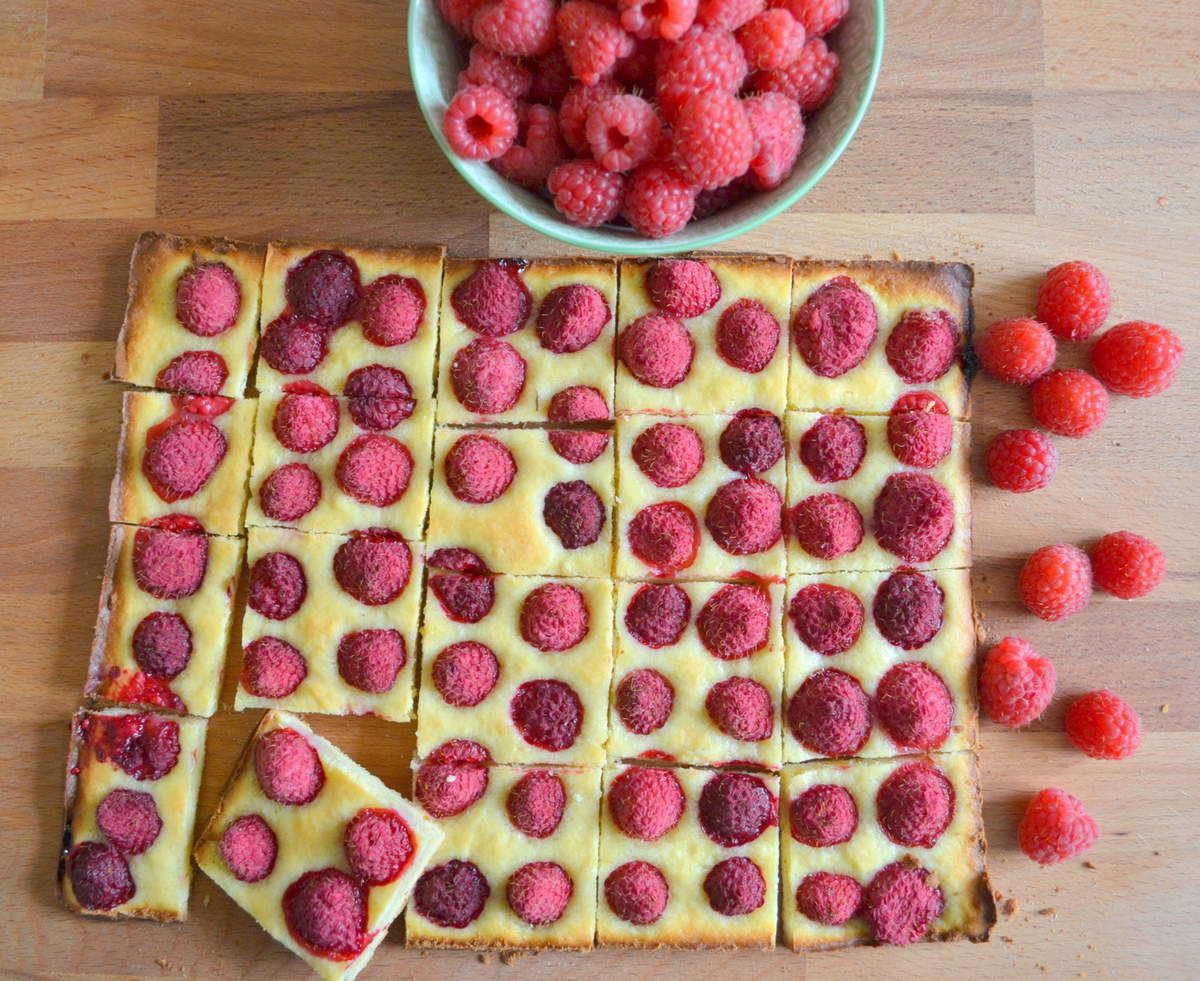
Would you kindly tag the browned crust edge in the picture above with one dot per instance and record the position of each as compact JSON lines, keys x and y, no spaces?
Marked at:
{"x":116,"y":493}
{"x":104,"y":615}
{"x":278,"y":247}
{"x":450,"y":944}
{"x":698,"y":945}
{"x":564,"y":264}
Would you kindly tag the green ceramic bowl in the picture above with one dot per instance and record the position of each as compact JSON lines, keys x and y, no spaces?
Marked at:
{"x":435,"y":56}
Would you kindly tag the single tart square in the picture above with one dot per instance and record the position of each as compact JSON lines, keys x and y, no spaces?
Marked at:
{"x":698,"y":674}
{"x":701,"y":497}
{"x":519,"y":665}
{"x":527,"y":341}
{"x":165,"y":610}
{"x":320,"y":852}
{"x":879,"y":664}
{"x":517,"y":866}
{"x":863,"y":334}
{"x":526,"y":501}
{"x":330,"y":623}
{"x":872,"y":492}
{"x":324,"y":463}
{"x":703,"y":334}
{"x":688,"y":858}
{"x":186,"y":455}
{"x":357,"y":321}
{"x":132,"y":783}
{"x":191,"y":323}
{"x":884,"y":852}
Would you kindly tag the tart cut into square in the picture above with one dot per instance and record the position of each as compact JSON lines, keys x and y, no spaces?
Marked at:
{"x":319,"y":851}
{"x":186,"y":455}
{"x":517,"y":865}
{"x":703,"y":334}
{"x":698,"y":673}
{"x":864,"y":334}
{"x":884,"y":852}
{"x":688,"y":858}
{"x":873,"y":492}
{"x":165,"y":610}
{"x":327,"y":463}
{"x":879,"y":664}
{"x":132,"y":782}
{"x":331,"y":623}
{"x":525,"y":501}
{"x":519,"y":665}
{"x":191,"y":321}
{"x":700,"y":497}
{"x":527,"y":341}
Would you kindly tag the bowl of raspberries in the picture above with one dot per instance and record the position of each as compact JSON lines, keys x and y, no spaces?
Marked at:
{"x":614,"y":124}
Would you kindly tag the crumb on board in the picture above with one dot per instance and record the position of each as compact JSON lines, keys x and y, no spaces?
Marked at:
{"x":1089,"y":864}
{"x":1162,"y":201}
{"x":163,"y":963}
{"x":1010,"y":907}
{"x":1165,"y":708}
{"x":511,"y":956}
{"x":1156,"y":853}
{"x":486,"y":957}
{"x":1007,"y":940}
{"x":1048,"y":911}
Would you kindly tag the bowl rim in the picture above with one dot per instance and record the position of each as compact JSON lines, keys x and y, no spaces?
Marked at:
{"x":584,"y":237}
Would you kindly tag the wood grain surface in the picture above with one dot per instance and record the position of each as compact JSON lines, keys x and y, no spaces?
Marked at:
{"x":1011,"y":135}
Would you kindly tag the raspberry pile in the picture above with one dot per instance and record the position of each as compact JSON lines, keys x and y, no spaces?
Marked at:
{"x":650,"y":113}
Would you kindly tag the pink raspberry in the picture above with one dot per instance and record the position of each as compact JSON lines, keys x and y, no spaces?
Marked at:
{"x":480,"y":122}
{"x":810,"y":79}
{"x":592,"y":39}
{"x":646,"y":803}
{"x":623,"y":131}
{"x":914,"y":706}
{"x":745,"y":516}
{"x":666,"y":19}
{"x":577,"y":105}
{"x":1015,"y":683}
{"x":771,"y":39}
{"x":522,"y":28}
{"x":1056,"y":827}
{"x":585,"y":193}
{"x":828,"y":898}
{"x":713,"y":139}
{"x":901,"y":903}
{"x":728,"y":15}
{"x":704,"y":59}
{"x":830,"y":713}
{"x":778,"y":130}
{"x":657,"y":350}
{"x":914,"y":805}
{"x":920,"y":438}
{"x":826,"y":525}
{"x":824,"y":815}
{"x":922,"y":346}
{"x":741,"y":708}
{"x":659,"y":200}
{"x":486,"y":67}
{"x":537,"y":150}
{"x":670,"y":454}
{"x":683,"y":287}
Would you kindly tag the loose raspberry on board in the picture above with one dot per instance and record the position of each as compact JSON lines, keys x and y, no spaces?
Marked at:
{"x":1137,"y":359}
{"x":1103,"y":726}
{"x":1127,"y":565}
{"x":1021,"y":460}
{"x":1056,"y":827}
{"x":1074,"y":300}
{"x":1056,"y":582}
{"x":1015,"y":683}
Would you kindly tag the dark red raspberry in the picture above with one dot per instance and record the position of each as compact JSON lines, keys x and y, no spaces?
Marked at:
{"x":487,"y":376}
{"x":645,"y":803}
{"x":536,"y":803}
{"x":323,"y":288}
{"x":736,"y":808}
{"x":571,"y":317}
{"x":809,"y":80}
{"x":702,"y":60}
{"x":278,"y":586}
{"x":460,"y":751}
{"x":835,"y":327}
{"x":747,"y":335}
{"x":667,"y":19}
{"x":709,"y":203}
{"x":538,"y":149}
{"x":823,"y":816}
{"x":658,"y":614}
{"x":828,"y":898}
{"x":100,"y":877}
{"x":1068,"y":402}
{"x":143,"y":745}
{"x":129,"y":819}
{"x":637,"y":893}
{"x":644,"y":700}
{"x":922,"y":346}
{"x":623,"y":131}
{"x":1056,"y":827}
{"x":374,"y":469}
{"x":380,"y":398}
{"x":480,"y":122}
{"x":752,"y":442}
{"x":826,"y":525}
{"x":833,"y":447}
{"x":370,"y":660}
{"x":208,"y":299}
{"x":592,"y":39}
{"x":162,"y":644}
{"x":827,"y":619}
{"x":772,"y":39}
{"x":575,"y":513}
{"x":914,"y":706}
{"x":1074,"y":300}
{"x":901,"y":903}
{"x":665,"y":537}
{"x":195,"y":372}
{"x":182,"y":456}
{"x":914,"y":805}
{"x":288,"y":768}
{"x":452,"y":895}
{"x":1056,"y":582}
{"x":714,"y":143}
{"x":830,"y":714}
{"x":735,"y":621}
{"x":920,"y":439}
{"x":585,"y":193}
{"x":379,"y":845}
{"x":547,"y":713}
{"x":290,"y":492}
{"x":577,"y":106}
{"x":293,"y":345}
{"x":1021,"y":460}
{"x":1137,"y":359}
{"x":465,"y":673}
{"x":448,"y":788}
{"x":1018,"y":351}
{"x":493,"y":300}
{"x":735,"y":886}
{"x":479,"y":468}
{"x":741,"y":708}
{"x":908,"y":609}
{"x":818,"y":16}
{"x":272,"y":668}
{"x":1103,"y":726}
{"x":467,"y":590}
{"x":487,"y":67}
{"x":745,"y":516}
{"x":392,"y":308}
{"x":1127,"y":565}
{"x":538,"y":892}
{"x":554,"y":617}
{"x":657,"y":350}
{"x":249,"y":848}
{"x":373,"y":566}
{"x":1015,"y":683}
{"x":326,"y":913}
{"x":659,"y":200}
{"x":914,"y":517}
{"x":305,"y":422}
{"x":669,"y":453}
{"x":579,"y":403}
{"x":682,"y":288}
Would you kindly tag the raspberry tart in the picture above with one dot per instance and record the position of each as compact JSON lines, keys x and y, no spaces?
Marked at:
{"x":517,"y":866}
{"x":330,"y":623}
{"x":165,"y":612}
{"x":132,"y":783}
{"x":320,"y":852}
{"x":190,"y":325}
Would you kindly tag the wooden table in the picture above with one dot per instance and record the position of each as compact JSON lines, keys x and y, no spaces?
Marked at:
{"x":1011,"y":135}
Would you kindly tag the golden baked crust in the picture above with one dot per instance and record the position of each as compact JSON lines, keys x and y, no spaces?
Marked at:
{"x":162,"y":874}
{"x":485,"y":835}
{"x":950,"y":652}
{"x":337,"y":511}
{"x":310,"y":837}
{"x":958,"y":858}
{"x":896,"y":288}
{"x":114,"y":675}
{"x":546,"y":372}
{"x":348,"y":346}
{"x":327,"y":614}
{"x":220,"y":503}
{"x":151,"y":335}
{"x":713,"y":384}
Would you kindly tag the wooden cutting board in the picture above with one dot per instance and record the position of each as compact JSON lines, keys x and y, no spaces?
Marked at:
{"x":1010,"y":135}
